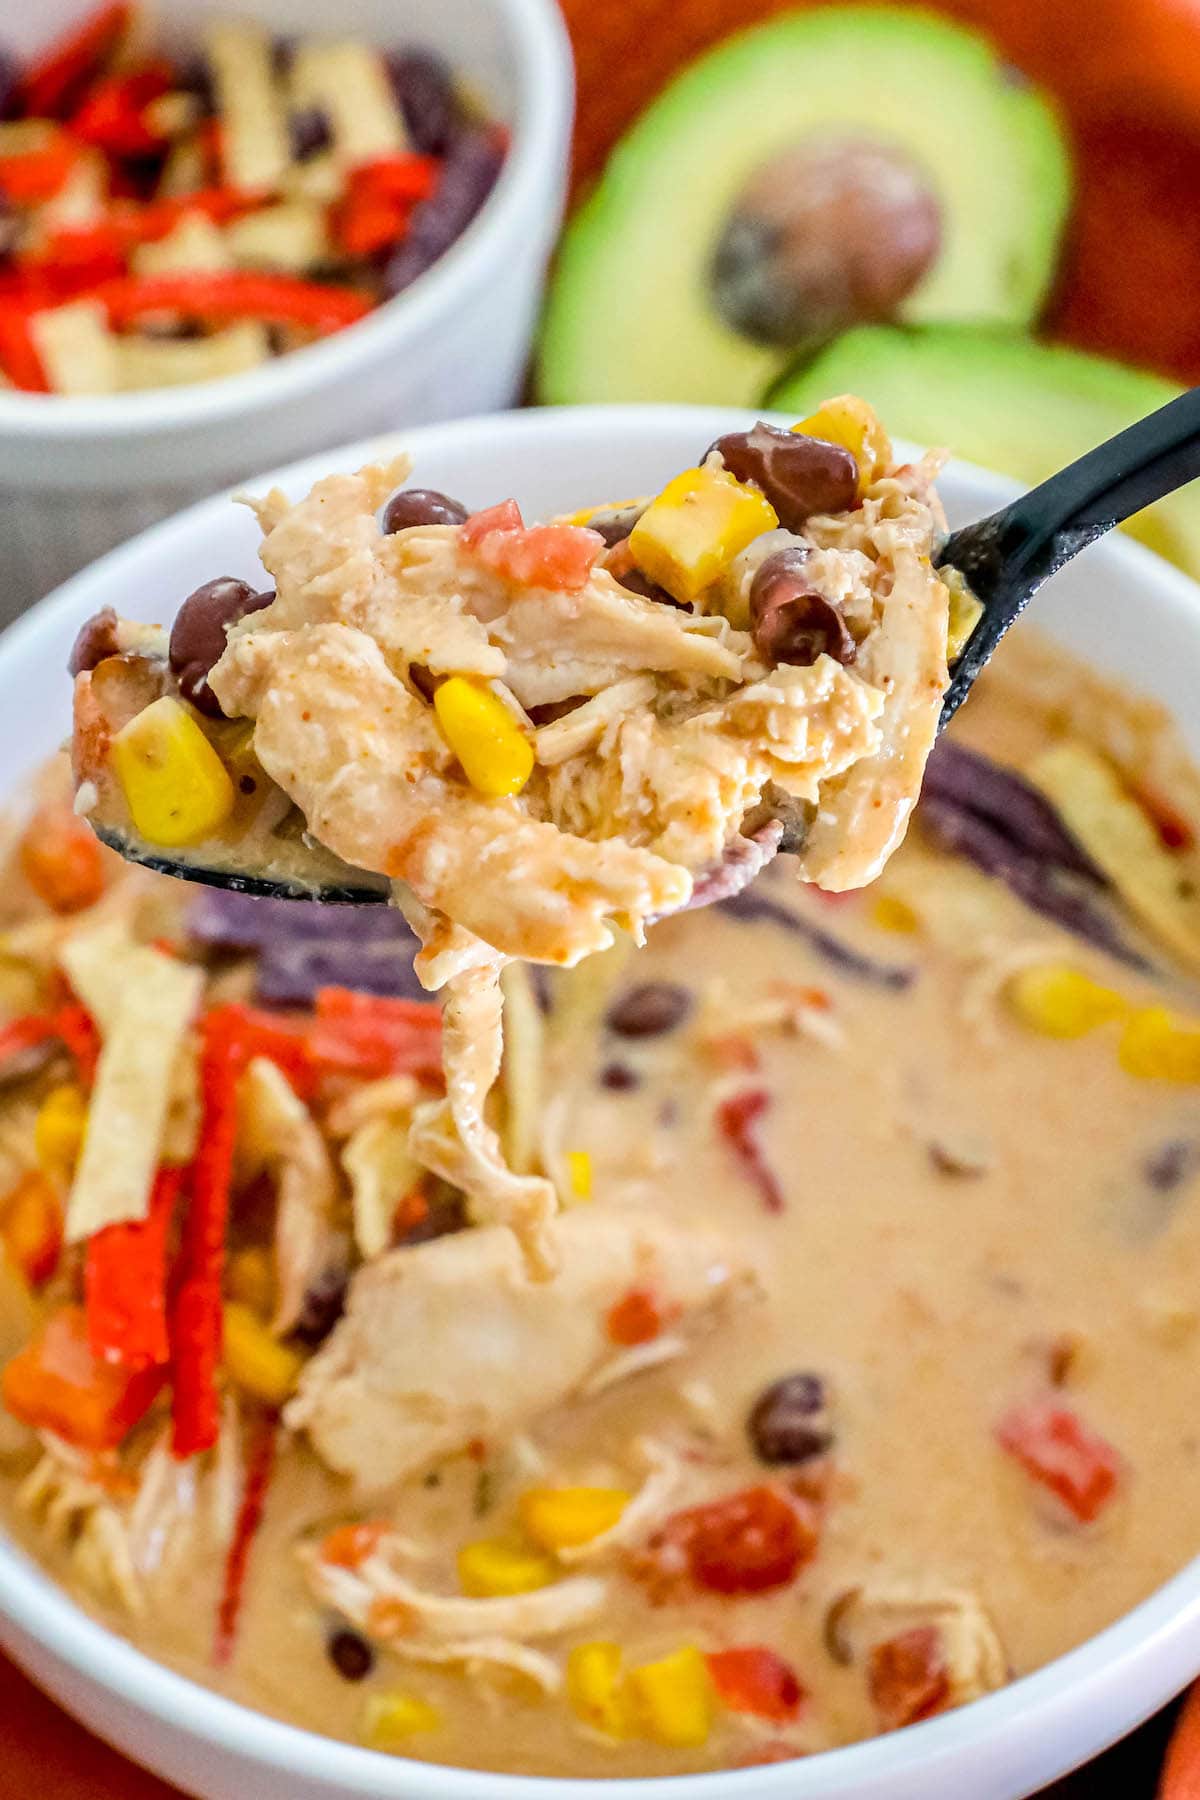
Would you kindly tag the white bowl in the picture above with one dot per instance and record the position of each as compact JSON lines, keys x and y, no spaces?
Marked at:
{"x":79,"y":475}
{"x":1118,"y":605}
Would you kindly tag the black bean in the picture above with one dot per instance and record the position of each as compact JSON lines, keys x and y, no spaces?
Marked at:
{"x":323,"y":1305}
{"x":789,"y":1422}
{"x":351,"y":1654}
{"x":792,"y":622}
{"x":468,"y":177}
{"x":193,"y":76}
{"x":96,"y":640}
{"x":799,"y":475}
{"x":424,"y":90}
{"x":446,"y":1213}
{"x":619,"y":1078}
{"x":614,"y":523}
{"x":650,"y":1010}
{"x":310,"y":132}
{"x":422,"y":506}
{"x":1171,"y":1165}
{"x":198,"y":635}
{"x":635,"y":582}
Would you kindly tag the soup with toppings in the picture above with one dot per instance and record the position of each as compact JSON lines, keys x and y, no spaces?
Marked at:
{"x":866,"y":1379}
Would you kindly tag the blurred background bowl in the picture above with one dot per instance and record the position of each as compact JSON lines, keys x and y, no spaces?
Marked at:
{"x":79,"y":475}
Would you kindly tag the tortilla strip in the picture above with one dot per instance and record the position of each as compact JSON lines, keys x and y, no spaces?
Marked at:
{"x":144,"y":1003}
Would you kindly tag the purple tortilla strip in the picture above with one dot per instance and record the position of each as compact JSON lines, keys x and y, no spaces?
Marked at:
{"x":755,"y":908}
{"x":973,"y":783}
{"x":1045,"y":887}
{"x":302,"y":946}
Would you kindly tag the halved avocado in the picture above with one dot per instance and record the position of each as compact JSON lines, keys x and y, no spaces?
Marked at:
{"x":1001,"y":400}
{"x":661,"y":257}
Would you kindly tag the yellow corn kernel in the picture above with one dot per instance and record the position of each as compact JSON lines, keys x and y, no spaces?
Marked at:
{"x":251,"y":1279}
{"x":596,"y":1690}
{"x":1060,"y":1002}
{"x":58,"y":1130}
{"x":890,"y":913}
{"x":849,"y":421}
{"x":965,"y":612}
{"x":674,"y":1698}
{"x":496,"y":755}
{"x":1154,"y":1048}
{"x":562,"y":1518}
{"x":390,"y":1718}
{"x":697,"y":525}
{"x":175,"y":785}
{"x":255,"y":1360}
{"x":579,"y":1174}
{"x":489,"y":1567}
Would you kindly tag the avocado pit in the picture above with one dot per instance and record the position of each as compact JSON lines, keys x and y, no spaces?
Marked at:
{"x":825,"y":235}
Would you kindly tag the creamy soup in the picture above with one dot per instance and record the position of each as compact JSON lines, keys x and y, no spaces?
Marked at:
{"x":881,"y":1256}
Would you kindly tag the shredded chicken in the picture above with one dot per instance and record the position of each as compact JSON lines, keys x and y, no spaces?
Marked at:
{"x":382,"y":1601}
{"x":973,"y":1655}
{"x":378,"y":1406}
{"x":279,"y":1132}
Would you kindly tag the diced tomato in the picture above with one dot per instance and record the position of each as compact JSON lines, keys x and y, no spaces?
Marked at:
{"x":56,"y":1384}
{"x":636,"y":1318}
{"x":504,"y":516}
{"x":412,"y":1211}
{"x":732,"y":1050}
{"x":1061,"y":1453}
{"x":748,"y":1542}
{"x":61,"y":860}
{"x":349,"y":1546}
{"x":31,"y":1226}
{"x":737,"y":1120}
{"x":907,"y":1676}
{"x":53,"y":80}
{"x":752,"y":1678}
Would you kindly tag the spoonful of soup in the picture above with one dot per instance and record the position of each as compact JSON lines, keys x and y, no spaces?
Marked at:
{"x":542,"y":731}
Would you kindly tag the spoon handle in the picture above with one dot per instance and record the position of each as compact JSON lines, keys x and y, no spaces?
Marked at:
{"x":1006,"y":557}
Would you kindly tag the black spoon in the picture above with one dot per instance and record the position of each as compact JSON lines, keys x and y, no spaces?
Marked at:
{"x":1004,"y":559}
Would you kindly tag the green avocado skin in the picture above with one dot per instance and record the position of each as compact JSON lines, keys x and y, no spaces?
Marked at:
{"x":998,"y":399}
{"x":629,"y":314}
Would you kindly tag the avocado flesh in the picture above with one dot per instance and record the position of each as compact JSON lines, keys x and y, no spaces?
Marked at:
{"x":630,"y":314}
{"x":1001,"y":400}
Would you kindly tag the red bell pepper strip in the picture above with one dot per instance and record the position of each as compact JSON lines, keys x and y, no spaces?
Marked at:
{"x":31,"y":1228}
{"x":379,"y":200}
{"x":234,"y":294}
{"x":1062,"y":1454}
{"x":125,"y":1283}
{"x":31,"y":176}
{"x":259,"y":1468}
{"x":100,"y":250}
{"x":253,"y":1032}
{"x":56,"y":1384}
{"x":55,"y":78}
{"x":19,"y":360}
{"x":196,"y":1320}
{"x":737,"y":1121}
{"x":754,"y":1679}
{"x":71,"y":1024}
{"x":402,"y":177}
{"x":364,"y":1035}
{"x":907,"y":1677}
{"x":111,"y":116}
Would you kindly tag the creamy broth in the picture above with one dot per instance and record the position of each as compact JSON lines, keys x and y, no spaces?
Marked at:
{"x":974,"y":1215}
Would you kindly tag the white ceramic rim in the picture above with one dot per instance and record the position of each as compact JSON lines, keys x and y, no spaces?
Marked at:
{"x":1090,"y":1682}
{"x":545,"y":86}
